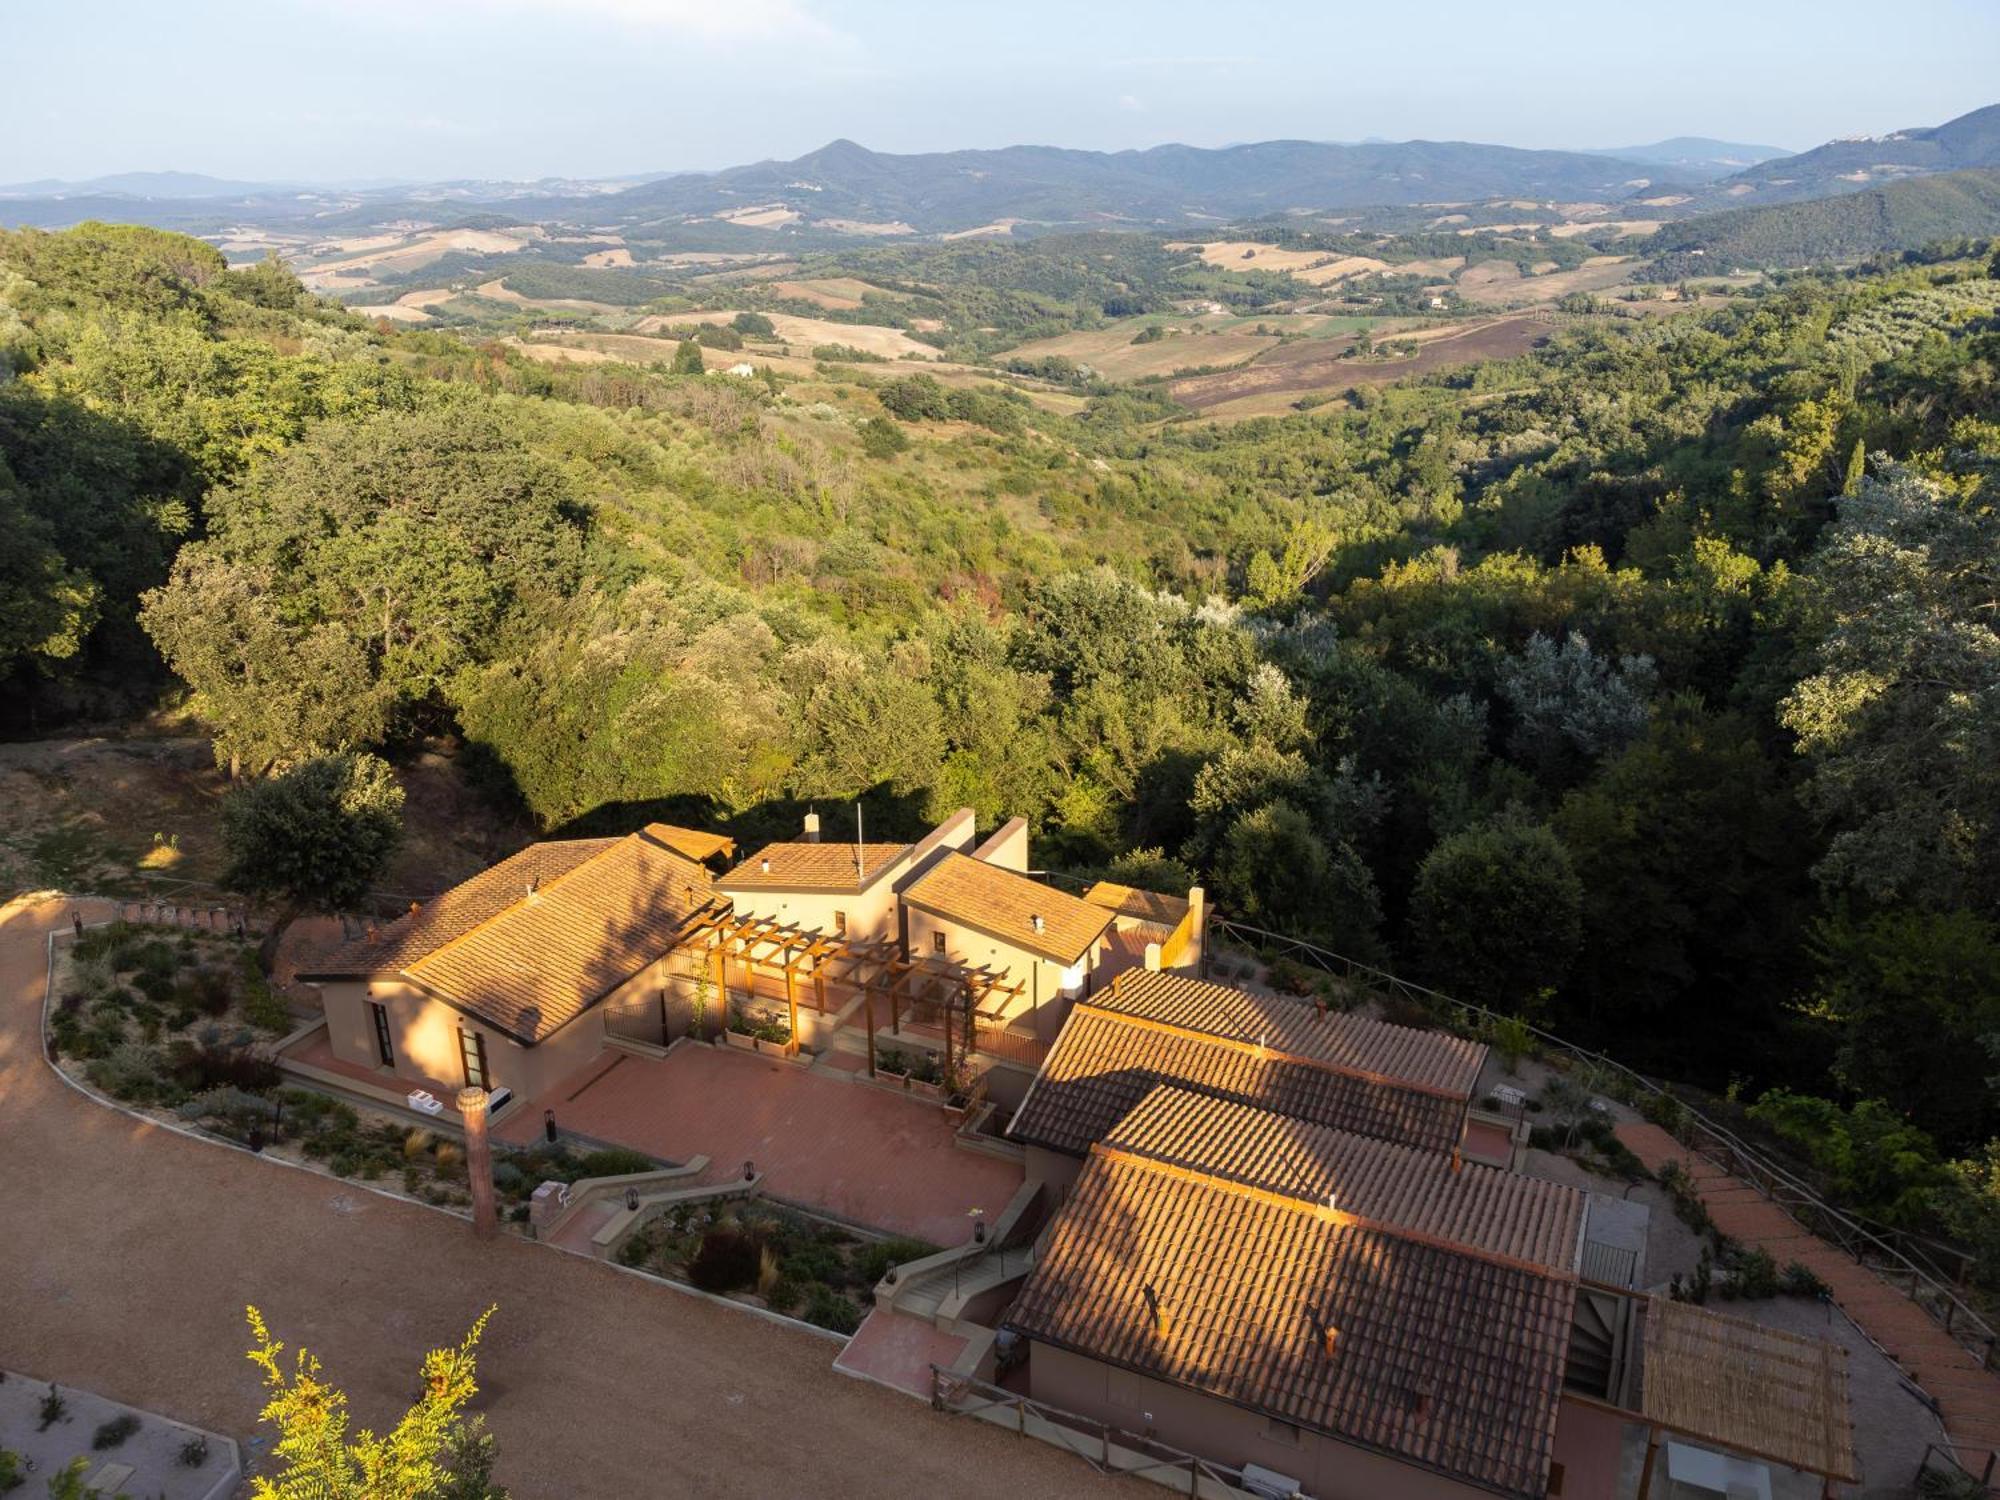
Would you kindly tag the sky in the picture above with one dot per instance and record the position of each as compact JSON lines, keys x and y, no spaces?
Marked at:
{"x":331,"y":90}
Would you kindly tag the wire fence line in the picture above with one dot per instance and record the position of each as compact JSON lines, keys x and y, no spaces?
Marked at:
{"x":1905,"y":1261}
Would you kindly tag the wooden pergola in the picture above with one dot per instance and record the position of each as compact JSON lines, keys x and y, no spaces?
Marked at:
{"x":972,"y":991}
{"x":1771,"y":1395}
{"x":796,"y":952}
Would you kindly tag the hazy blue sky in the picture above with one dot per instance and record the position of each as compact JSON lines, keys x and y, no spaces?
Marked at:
{"x":526,"y":88}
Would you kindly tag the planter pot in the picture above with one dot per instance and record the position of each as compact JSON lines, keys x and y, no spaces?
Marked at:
{"x":741,"y":1040}
{"x":772,"y":1049}
{"x":926,"y":1090}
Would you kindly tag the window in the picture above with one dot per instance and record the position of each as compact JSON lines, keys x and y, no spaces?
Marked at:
{"x":382,"y":1047}
{"x":472,"y":1055}
{"x":1556,"y":1479}
{"x":937,"y":942}
{"x":840,"y":924}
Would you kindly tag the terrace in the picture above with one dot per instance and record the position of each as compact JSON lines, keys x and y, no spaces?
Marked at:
{"x":821,"y":1139}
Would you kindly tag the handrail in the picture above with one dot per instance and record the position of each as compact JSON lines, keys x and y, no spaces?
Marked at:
{"x":1928,"y":1285}
{"x":1119,"y":1450}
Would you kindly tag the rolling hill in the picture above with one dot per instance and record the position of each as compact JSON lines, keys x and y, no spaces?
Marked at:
{"x":943,"y":192}
{"x":1846,"y":166}
{"x":1900,"y":216}
{"x":1694,"y":157}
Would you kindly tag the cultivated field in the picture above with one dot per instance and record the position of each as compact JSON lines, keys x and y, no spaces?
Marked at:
{"x":404,"y":253}
{"x":1302,"y":368}
{"x":801,"y":335}
{"x":1499,"y":284}
{"x":841,"y":293}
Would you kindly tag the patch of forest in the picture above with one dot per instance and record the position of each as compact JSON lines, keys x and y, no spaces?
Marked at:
{"x":1647,"y":685}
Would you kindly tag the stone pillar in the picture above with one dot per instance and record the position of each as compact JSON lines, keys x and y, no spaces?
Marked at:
{"x":478,"y":1160}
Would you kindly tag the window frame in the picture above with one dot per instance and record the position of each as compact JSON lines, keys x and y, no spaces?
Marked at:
{"x":472,"y":1060}
{"x":384,"y":1046}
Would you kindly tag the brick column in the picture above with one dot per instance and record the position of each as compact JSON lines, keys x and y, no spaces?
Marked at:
{"x":478,"y":1160}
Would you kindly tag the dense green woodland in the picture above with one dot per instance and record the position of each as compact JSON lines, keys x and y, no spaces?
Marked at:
{"x":1648,"y":686}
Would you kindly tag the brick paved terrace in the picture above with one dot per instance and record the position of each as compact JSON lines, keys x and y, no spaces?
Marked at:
{"x":866,"y":1155}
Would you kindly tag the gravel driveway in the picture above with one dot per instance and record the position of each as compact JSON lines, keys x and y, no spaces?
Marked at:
{"x":127,"y":1254}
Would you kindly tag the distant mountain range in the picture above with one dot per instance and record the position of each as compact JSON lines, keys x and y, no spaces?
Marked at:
{"x":947,"y":191}
{"x":1694,"y":156}
{"x":845,"y":189}
{"x":1847,"y":166}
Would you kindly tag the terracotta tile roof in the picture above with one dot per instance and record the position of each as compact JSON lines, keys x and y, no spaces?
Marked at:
{"x":1434,"y":1060}
{"x":1344,"y":1072}
{"x":1143,"y":906}
{"x":452,"y":913}
{"x":1004,"y":904}
{"x":530,"y":962}
{"x":697,"y":844}
{"x":812,"y":867}
{"x":1443,"y":1359}
{"x":1523,"y":1220}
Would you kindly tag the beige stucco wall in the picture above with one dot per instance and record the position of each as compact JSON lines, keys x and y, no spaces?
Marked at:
{"x":1006,"y":846}
{"x":1057,"y":1170}
{"x":1326,"y":1469}
{"x":423,"y":1034}
{"x":871,"y":914}
{"x":1043,"y":981}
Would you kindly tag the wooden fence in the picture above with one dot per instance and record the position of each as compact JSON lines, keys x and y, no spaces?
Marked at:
{"x":1909,"y":1263}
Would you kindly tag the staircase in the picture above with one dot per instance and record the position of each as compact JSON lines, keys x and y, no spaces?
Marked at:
{"x":1601,"y":1342}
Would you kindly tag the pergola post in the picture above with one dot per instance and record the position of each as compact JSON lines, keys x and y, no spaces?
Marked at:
{"x":721,"y":988}
{"x":792,"y":1000}
{"x":1646,"y":1470}
{"x":868,"y":1014}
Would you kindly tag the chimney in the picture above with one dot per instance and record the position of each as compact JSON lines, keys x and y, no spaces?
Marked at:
{"x":1153,"y":1306}
{"x":811,"y":835}
{"x":1324,"y":1333}
{"x":764,"y":864}
{"x":1036,"y":921}
{"x":534,"y":883}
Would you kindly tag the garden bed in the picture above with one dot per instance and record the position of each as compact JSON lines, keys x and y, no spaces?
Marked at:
{"x":179,"y":1027}
{"x":771,"y":1257}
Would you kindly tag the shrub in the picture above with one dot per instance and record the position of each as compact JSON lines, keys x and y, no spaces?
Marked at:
{"x":826,"y":1308}
{"x":194,"y":1452}
{"x":111,"y":1434}
{"x":417,"y":1142}
{"x":753,"y":323}
{"x":1511,"y":1038}
{"x":727,"y":1259}
{"x":784,"y":1294}
{"x":1665,"y":1111}
{"x":890,"y":1060}
{"x":131,"y":1072}
{"x":11,"y":1477}
{"x":198,"y":1066}
{"x":155,"y":986}
{"x":230,"y":1104}
{"x":1290,"y":977}
{"x":873,"y":1263}
{"x":1799,"y":1280}
{"x":450,"y":1157}
{"x":1753,"y":1275}
{"x":53,"y":1409}
{"x":206,"y":990}
{"x":614,"y":1161}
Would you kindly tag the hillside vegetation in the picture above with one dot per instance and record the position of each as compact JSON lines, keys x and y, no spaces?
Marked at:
{"x":1565,"y":683}
{"x":1901,"y":216}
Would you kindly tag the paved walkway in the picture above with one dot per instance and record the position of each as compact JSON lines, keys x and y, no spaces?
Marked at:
{"x":129,"y":1252}
{"x":862,"y":1154}
{"x":1969,"y":1395}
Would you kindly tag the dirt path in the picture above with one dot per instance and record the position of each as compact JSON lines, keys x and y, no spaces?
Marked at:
{"x":1969,"y":1395}
{"x":129,"y":1253}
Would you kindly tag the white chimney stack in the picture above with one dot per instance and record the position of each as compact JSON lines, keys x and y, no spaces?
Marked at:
{"x":812,"y":828}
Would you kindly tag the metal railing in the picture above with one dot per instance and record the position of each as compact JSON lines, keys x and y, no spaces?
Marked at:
{"x":1902,"y":1260}
{"x":1106,"y":1447}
